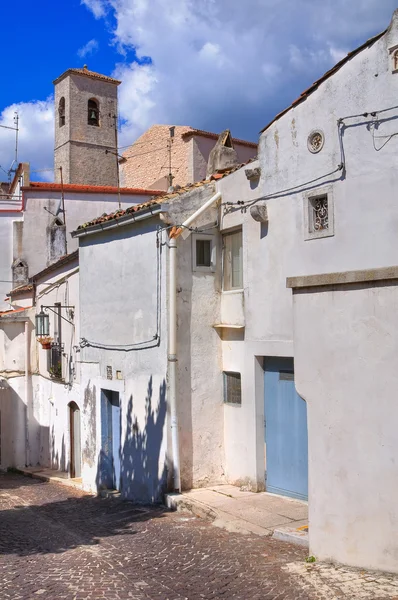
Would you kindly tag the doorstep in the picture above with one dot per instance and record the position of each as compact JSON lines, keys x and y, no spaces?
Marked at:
{"x":51,"y":475}
{"x":241,"y":511}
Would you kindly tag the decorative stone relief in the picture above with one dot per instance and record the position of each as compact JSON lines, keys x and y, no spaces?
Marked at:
{"x":315,"y":141}
{"x":253,"y":174}
{"x":319,"y":213}
{"x":259,"y":213}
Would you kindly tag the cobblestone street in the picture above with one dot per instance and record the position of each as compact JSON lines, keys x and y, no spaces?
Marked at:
{"x":57,"y":542}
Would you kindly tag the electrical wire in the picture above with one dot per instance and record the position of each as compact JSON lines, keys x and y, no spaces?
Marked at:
{"x":146,"y":344}
{"x":144,"y":153}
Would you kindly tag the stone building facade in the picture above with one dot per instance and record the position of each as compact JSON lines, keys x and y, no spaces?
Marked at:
{"x":85,"y":128}
{"x":147,"y":160}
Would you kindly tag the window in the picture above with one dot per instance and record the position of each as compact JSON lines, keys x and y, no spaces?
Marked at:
{"x":318,"y":214}
{"x":93,"y":112}
{"x":203,"y":252}
{"x":232,"y":261}
{"x":61,"y":112}
{"x":395,"y":61}
{"x":55,"y":361}
{"x":232,"y":388}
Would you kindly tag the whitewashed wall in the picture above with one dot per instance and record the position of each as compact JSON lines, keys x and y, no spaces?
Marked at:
{"x":344,"y":340}
{"x":122,"y":295}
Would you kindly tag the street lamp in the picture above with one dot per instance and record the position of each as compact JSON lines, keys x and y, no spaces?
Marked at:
{"x":42,"y":324}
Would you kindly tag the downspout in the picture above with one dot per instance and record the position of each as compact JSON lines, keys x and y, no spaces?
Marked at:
{"x":172,"y":353}
{"x":27,"y":392}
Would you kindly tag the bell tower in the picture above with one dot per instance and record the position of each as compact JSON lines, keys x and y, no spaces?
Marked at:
{"x":85,"y":128}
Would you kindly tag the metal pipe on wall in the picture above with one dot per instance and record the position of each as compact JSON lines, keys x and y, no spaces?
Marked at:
{"x":172,"y":353}
{"x":172,"y":362}
{"x":27,"y":349}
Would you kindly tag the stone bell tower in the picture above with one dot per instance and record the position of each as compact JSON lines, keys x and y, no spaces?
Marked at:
{"x":85,"y":134}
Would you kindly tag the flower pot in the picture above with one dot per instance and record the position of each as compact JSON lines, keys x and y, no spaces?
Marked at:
{"x":46,"y":345}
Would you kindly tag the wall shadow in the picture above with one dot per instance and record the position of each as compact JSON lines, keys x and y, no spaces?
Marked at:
{"x":143,"y":477}
{"x":60,"y":525}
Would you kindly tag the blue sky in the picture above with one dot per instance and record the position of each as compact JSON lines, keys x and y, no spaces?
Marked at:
{"x":211,"y":64}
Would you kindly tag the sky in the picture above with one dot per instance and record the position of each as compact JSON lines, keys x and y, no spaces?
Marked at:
{"x":210,"y":64}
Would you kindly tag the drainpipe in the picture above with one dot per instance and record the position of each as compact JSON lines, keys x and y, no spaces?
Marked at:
{"x":27,"y":392}
{"x":172,"y":360}
{"x":172,"y":354}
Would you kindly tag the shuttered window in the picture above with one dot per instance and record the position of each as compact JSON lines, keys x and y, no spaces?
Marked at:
{"x":232,"y":388}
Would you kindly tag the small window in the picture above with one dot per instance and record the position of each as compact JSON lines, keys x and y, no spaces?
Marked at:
{"x":232,"y":388}
{"x":93,"y":113}
{"x":232,"y":261}
{"x":55,"y":361}
{"x":318,"y":215}
{"x":203,"y":252}
{"x":395,"y":61}
{"x":61,"y":112}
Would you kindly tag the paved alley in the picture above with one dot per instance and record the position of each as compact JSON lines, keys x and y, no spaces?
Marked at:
{"x":58,"y":543}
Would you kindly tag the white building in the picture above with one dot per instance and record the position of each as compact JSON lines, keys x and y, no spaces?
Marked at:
{"x":319,"y":220}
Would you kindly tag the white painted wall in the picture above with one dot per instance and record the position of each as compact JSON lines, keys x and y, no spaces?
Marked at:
{"x":199,"y":386}
{"x":343,"y":338}
{"x":122,"y":311}
{"x":345,"y":361}
{"x":35,"y":426}
{"x":7,"y":219}
{"x":79,"y":208}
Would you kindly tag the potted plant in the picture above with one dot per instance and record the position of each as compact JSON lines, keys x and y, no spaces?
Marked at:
{"x":45,"y":342}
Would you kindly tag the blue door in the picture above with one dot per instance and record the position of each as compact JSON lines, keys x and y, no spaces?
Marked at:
{"x":286,"y":435}
{"x":110,"y":440}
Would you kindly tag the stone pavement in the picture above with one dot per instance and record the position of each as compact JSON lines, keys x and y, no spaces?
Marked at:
{"x":59,"y":543}
{"x":241,"y":511}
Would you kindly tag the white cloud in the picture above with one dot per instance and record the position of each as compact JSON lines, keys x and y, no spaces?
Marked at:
{"x":227,"y":63}
{"x":97,"y":7}
{"x":35,"y":140}
{"x":213,"y":63}
{"x":90,"y":48}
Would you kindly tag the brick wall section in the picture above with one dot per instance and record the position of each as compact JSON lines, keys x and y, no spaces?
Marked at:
{"x":147,"y":164}
{"x":148,"y":159}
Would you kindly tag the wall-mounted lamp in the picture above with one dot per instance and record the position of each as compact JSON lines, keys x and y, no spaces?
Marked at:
{"x":42,"y":321}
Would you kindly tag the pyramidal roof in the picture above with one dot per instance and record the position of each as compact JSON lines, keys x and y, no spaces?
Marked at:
{"x":86,"y":73}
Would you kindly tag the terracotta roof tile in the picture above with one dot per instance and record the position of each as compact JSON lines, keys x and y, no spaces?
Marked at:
{"x":91,"y":74}
{"x":22,"y":289}
{"x":304,"y":95}
{"x":215,"y":136}
{"x":90,"y":189}
{"x":165,"y":196}
{"x":11,"y":312}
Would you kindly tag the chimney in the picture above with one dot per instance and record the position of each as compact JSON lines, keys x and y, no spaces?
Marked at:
{"x":223,"y":156}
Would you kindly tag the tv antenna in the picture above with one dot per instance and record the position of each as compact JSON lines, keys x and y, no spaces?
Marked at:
{"x":14,"y":164}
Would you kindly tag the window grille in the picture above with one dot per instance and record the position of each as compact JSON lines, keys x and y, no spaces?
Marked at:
{"x":319,"y":213}
{"x":55,"y":361}
{"x":232,"y":388}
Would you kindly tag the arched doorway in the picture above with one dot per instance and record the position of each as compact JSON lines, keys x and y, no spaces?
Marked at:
{"x":75,"y":462}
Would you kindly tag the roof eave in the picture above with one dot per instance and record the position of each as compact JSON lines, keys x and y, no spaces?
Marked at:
{"x":72,"y":72}
{"x":140,"y":215}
